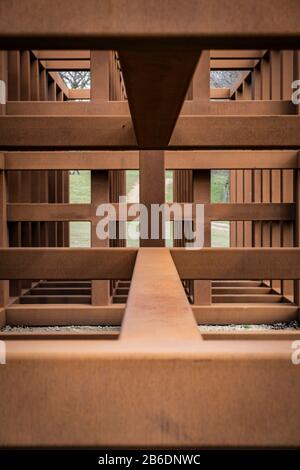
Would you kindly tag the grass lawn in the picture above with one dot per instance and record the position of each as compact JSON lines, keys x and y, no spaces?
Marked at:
{"x":80,"y":192}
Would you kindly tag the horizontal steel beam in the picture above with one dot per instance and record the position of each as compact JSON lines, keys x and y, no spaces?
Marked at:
{"x":63,"y":314}
{"x":85,"y":93}
{"x":111,"y":132}
{"x":67,"y":263}
{"x":208,"y":24}
{"x":245,"y":313}
{"x":120,"y":108}
{"x":115,"y":384}
{"x":174,"y":160}
{"x":44,"y":212}
{"x":237,"y":263}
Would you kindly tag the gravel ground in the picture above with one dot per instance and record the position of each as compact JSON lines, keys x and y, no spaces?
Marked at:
{"x":293,"y":325}
{"x":59,"y":329}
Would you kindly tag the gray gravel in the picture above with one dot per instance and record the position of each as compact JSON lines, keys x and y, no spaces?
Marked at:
{"x":293,"y":325}
{"x":58,"y":329}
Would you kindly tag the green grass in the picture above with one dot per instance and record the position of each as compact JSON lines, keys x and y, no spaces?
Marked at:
{"x":220,"y":193}
{"x":132,"y":181}
{"x":80,"y":192}
{"x":80,"y":234}
{"x":132,"y":178}
{"x":219,"y":185}
{"x":169,"y":186}
{"x":220,"y":237}
{"x":80,"y":186}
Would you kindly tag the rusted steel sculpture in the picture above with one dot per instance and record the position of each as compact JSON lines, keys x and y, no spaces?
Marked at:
{"x":161,"y":381}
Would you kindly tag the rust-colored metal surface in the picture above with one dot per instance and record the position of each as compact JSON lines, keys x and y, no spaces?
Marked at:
{"x":156,"y":376}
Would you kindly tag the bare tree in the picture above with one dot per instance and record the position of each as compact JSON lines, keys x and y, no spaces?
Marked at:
{"x":223,"y":79}
{"x":76,"y":79}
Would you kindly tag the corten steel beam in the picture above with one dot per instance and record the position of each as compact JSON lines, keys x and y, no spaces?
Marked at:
{"x":83,"y":132}
{"x":14,"y":193}
{"x":227,"y":159}
{"x":297,"y":225}
{"x":232,"y":54}
{"x":233,"y":64}
{"x":157,"y":305}
{"x":51,"y":90}
{"x":215,"y":64}
{"x":244,"y":379}
{"x":205,"y":24}
{"x":114,"y":108}
{"x":287,"y":227}
{"x":4,"y":78}
{"x":4,"y":285}
{"x":114,"y":263}
{"x":237,"y":263}
{"x":111,"y":132}
{"x":286,"y":74}
{"x":200,"y":85}
{"x":236,"y":132}
{"x":67,"y":65}
{"x":51,"y":212}
{"x":266,"y":197}
{"x":220,"y":93}
{"x":242,"y":314}
{"x":99,"y":195}
{"x":25,"y":75}
{"x":151,"y":191}
{"x":245,"y":107}
{"x":106,"y":108}
{"x":67,"y":263}
{"x":202,"y":195}
{"x":275,"y":175}
{"x":99,"y":76}
{"x":2,"y":317}
{"x":70,"y":55}
{"x":238,"y":84}
{"x":71,"y":160}
{"x":79,"y":94}
{"x":59,"y":82}
{"x":120,"y":108}
{"x":34,"y":79}
{"x":45,"y":212}
{"x":82,"y":93}
{"x":174,"y":160}
{"x":63,"y":314}
{"x":13,"y":76}
{"x":191,"y":361}
{"x":156,"y":84}
{"x":43,"y":85}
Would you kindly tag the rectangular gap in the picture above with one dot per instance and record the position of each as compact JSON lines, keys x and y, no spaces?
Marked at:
{"x":220,"y":234}
{"x":80,"y":234}
{"x":80,"y":187}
